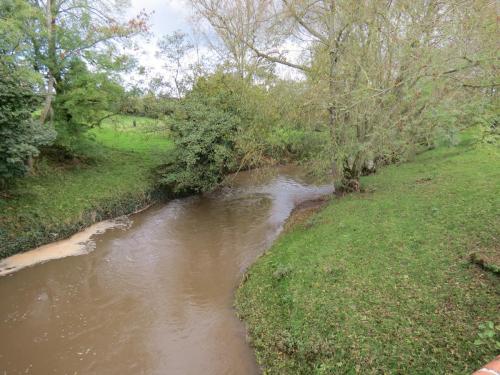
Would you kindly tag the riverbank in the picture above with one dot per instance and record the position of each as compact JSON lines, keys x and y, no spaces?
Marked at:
{"x":382,"y":281}
{"x":62,"y":199}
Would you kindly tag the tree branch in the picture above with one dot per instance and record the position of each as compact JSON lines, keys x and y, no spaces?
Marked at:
{"x":278,"y":60}
{"x":301,"y":22}
{"x":99,"y":121}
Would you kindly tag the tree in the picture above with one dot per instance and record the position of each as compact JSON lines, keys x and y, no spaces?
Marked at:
{"x":55,"y":32}
{"x":236,"y":23}
{"x":14,"y":44}
{"x":54,"y":39}
{"x":204,"y":132}
{"x":19,"y":136}
{"x":379,"y":70}
{"x":86,"y":98}
{"x":174,"y":49}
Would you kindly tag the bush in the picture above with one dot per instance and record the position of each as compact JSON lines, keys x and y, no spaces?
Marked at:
{"x":205,"y":132}
{"x":286,"y":143}
{"x":20,"y":137}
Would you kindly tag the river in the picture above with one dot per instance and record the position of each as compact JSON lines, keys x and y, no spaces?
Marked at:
{"x":154,"y":296}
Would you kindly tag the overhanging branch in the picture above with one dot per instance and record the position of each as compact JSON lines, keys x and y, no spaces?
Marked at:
{"x":279,"y":60}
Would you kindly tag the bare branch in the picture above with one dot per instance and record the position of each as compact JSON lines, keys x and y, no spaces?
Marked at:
{"x":279,"y":60}
{"x":300,"y":20}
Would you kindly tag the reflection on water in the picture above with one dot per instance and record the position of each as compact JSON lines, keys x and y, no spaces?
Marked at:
{"x":156,"y":298}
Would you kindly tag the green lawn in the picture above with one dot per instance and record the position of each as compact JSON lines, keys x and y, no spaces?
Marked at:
{"x":149,"y":137}
{"x":380,"y":282}
{"x":62,"y":199}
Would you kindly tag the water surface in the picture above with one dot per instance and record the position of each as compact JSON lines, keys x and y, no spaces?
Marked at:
{"x":156,"y":297}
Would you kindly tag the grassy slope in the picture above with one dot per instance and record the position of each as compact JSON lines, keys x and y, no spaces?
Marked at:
{"x":62,"y":200}
{"x":379,"y":282}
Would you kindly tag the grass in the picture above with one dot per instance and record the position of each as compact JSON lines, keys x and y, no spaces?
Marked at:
{"x":380,"y":282}
{"x":62,"y":199}
{"x":149,"y":138}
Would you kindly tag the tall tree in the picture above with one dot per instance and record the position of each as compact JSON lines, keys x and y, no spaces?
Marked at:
{"x":380,"y":69}
{"x":174,"y":48}
{"x":59,"y":31}
{"x":236,"y":23}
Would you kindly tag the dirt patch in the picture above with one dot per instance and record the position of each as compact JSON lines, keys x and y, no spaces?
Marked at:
{"x":304,"y":211}
{"x":488,"y":259}
{"x":423,"y":180}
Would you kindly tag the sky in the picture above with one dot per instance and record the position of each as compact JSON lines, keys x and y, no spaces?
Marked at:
{"x":169,"y":16}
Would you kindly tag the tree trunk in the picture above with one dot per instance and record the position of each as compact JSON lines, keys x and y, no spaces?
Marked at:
{"x":47,"y":107}
{"x":52,"y":62}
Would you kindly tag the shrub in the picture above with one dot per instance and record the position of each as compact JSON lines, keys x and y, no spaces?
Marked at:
{"x":204,"y":131}
{"x":20,"y":137}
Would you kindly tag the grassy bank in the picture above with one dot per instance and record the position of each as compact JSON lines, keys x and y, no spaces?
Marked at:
{"x":381,"y":281}
{"x":64,"y":198}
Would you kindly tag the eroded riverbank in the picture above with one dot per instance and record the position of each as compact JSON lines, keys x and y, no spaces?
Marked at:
{"x":156,"y":298}
{"x":78,"y":244}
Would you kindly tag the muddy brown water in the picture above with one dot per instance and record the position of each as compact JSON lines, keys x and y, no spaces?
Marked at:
{"x":156,"y":297}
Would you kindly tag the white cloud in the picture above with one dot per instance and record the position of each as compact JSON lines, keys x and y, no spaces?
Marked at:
{"x":168,"y":16}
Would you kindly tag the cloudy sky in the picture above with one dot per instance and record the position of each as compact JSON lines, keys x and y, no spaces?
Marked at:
{"x":169,"y":16}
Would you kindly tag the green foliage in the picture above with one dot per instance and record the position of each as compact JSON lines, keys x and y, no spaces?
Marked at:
{"x":379,"y":276}
{"x":226,"y":123}
{"x":204,"y":131}
{"x":486,"y":115}
{"x":283,"y":127}
{"x":16,"y":17}
{"x":158,"y":107}
{"x":489,"y":335}
{"x":388,"y":78}
{"x":84,"y":100}
{"x":20,"y":137}
{"x":73,"y":45}
{"x":289,"y":144}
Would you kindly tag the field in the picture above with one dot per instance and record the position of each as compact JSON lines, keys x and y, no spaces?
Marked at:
{"x":382,"y":282}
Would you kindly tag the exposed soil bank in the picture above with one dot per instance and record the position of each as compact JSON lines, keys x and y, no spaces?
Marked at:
{"x":303,"y":212}
{"x":78,"y":244}
{"x":36,"y":234}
